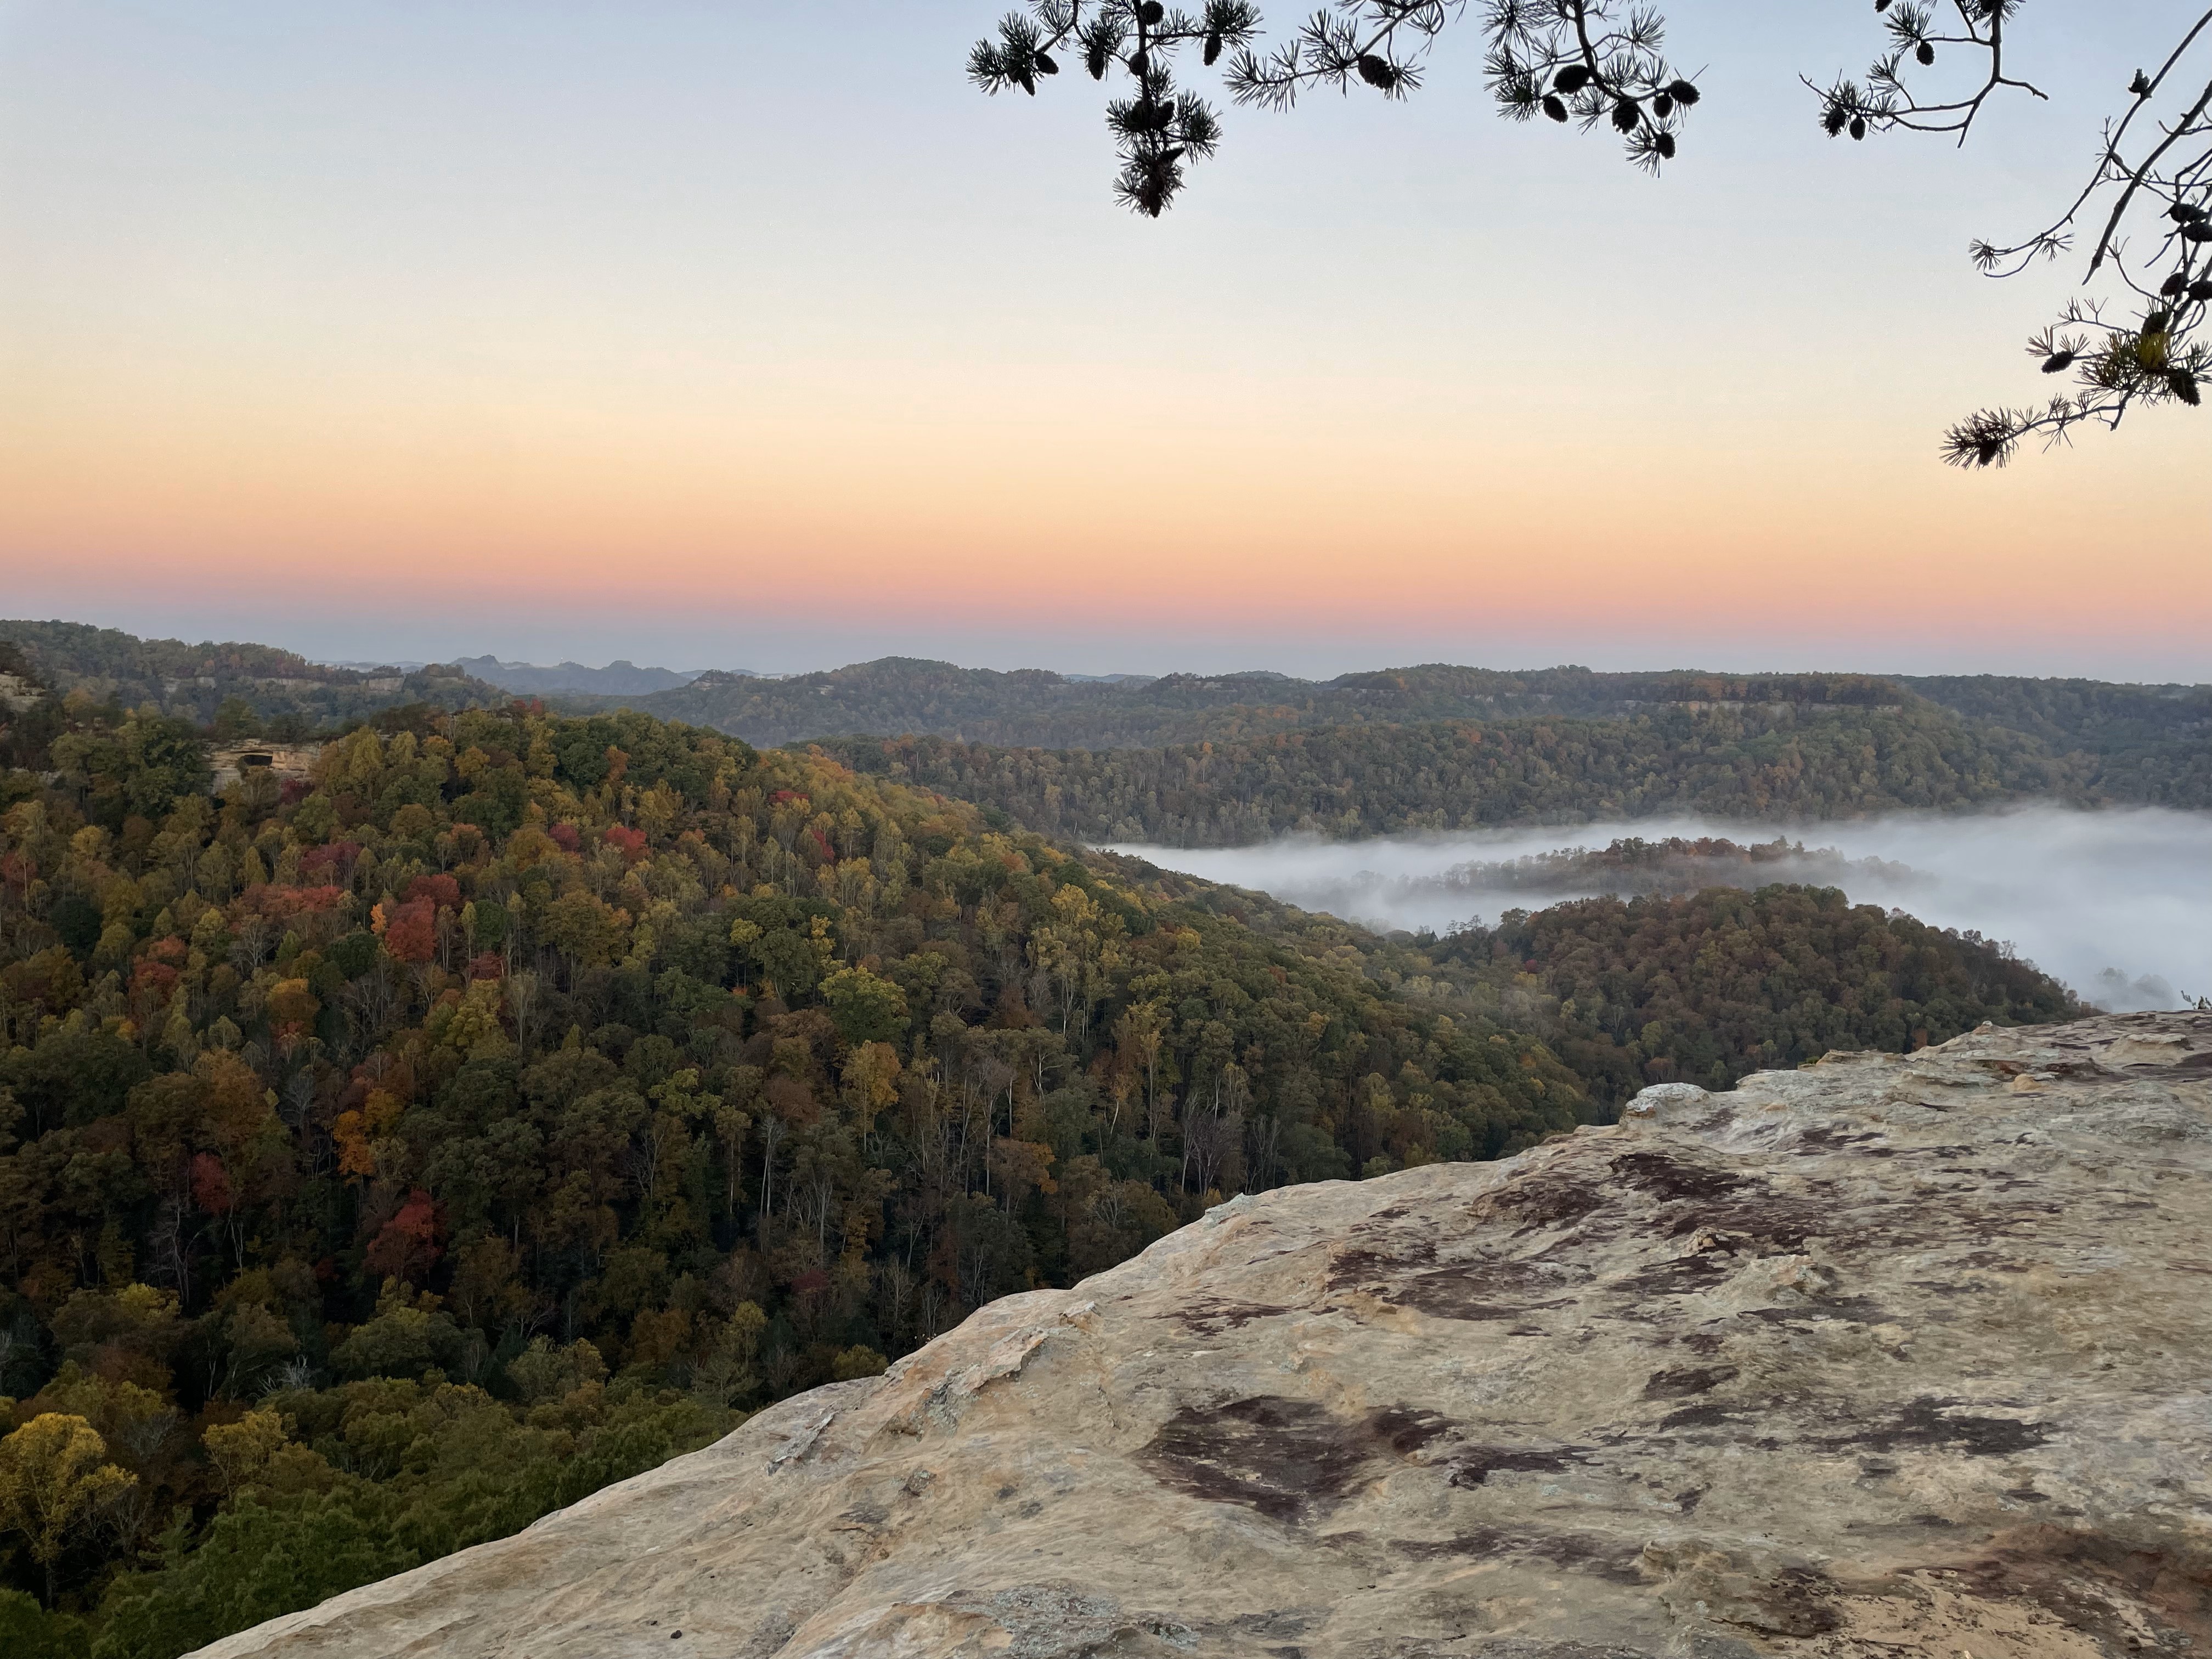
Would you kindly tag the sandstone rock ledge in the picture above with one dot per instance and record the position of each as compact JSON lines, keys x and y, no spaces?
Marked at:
{"x":1895,"y":1355}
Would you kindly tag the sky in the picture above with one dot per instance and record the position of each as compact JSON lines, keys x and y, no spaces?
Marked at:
{"x":715,"y":336}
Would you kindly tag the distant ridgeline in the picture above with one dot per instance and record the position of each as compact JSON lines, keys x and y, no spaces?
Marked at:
{"x":392,"y":1152}
{"x":1753,"y":762}
{"x":1566,"y":741}
{"x":2147,"y":745}
{"x":902,"y":695}
{"x":1871,"y":742}
{"x":618,"y":680}
{"x":277,"y":693}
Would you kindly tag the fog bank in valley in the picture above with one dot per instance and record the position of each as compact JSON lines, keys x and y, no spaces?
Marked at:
{"x":2118,"y":904}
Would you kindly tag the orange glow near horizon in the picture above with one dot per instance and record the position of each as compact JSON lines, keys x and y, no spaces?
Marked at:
{"x":1299,"y":526}
{"x":584,"y":362}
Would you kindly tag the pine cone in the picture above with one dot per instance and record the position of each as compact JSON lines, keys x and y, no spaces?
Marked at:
{"x":1378,"y":72}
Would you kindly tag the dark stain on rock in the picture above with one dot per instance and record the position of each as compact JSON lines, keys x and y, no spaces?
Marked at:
{"x":1794,"y":1601}
{"x":1384,"y":1257}
{"x":1681,"y":1275}
{"x":2086,"y":1578}
{"x":1602,"y":1557}
{"x":1701,"y":1417}
{"x":1851,"y":1310}
{"x":1477,"y":1292}
{"x":1670,"y":1179}
{"x":1281,"y":1457}
{"x":1405,"y":1430}
{"x":1276,"y":1456}
{"x":1925,"y":1423}
{"x":1211,"y":1317}
{"x":1697,"y":1199}
{"x":1827,"y":1137}
{"x":1538,"y":1202}
{"x":1689,"y":1380}
{"x":1471,"y":1466}
{"x":1763,"y":1218}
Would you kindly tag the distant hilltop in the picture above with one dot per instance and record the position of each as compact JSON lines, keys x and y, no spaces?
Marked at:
{"x":619,"y":678}
{"x":237,"y":684}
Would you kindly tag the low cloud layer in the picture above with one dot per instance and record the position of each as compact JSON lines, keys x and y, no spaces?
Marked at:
{"x":2118,"y":904}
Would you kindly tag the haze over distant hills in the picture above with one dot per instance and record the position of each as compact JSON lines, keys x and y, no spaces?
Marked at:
{"x":619,"y":678}
{"x":625,"y":679}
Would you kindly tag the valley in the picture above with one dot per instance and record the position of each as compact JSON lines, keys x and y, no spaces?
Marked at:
{"x":502,"y":1101}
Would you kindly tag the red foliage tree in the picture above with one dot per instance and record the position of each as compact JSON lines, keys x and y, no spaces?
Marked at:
{"x":211,"y":1188}
{"x":410,"y":933}
{"x":406,"y":1247}
{"x":334,"y":861}
{"x":441,"y":890}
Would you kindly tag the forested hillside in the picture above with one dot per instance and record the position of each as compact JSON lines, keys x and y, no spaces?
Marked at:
{"x":1348,"y":781}
{"x":2096,"y":741}
{"x":279,"y":694}
{"x":1709,"y":986}
{"x":386,"y":1161}
{"x":1631,"y":866}
{"x":903,"y":695}
{"x":2147,"y":744}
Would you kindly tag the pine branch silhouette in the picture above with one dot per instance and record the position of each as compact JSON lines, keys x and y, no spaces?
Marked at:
{"x":1596,"y":65}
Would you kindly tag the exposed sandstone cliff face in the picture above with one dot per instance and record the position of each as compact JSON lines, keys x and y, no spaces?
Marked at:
{"x":1891,"y":1356}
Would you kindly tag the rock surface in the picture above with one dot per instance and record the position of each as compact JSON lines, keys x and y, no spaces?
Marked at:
{"x":1893,"y":1355}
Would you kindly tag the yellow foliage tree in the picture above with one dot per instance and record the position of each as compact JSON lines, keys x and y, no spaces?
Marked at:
{"x":54,"y":1477}
{"x":243,"y":1451}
